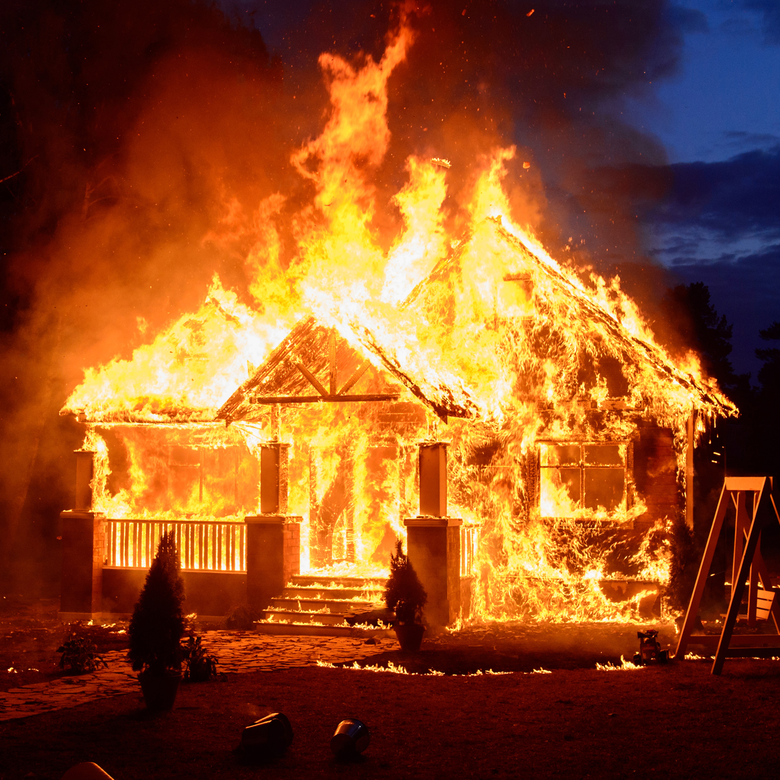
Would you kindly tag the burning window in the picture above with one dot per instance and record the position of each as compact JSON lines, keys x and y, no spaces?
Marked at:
{"x":515,"y":297}
{"x":582,"y":480}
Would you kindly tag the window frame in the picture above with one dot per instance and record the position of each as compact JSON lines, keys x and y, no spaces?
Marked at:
{"x":581,"y":510}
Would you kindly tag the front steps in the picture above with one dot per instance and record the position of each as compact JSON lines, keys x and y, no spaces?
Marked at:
{"x":319,"y":605}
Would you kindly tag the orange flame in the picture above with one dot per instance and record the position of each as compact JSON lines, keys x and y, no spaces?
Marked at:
{"x":556,"y":378}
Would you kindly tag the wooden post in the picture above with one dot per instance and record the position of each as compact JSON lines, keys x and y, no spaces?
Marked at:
{"x":433,"y":479}
{"x":273,"y":538}
{"x":274,"y":458}
{"x":85,"y":470}
{"x":689,"y":472}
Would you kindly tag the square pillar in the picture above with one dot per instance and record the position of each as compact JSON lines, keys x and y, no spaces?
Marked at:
{"x":273,"y":556}
{"x":85,"y":470}
{"x":433,"y":479}
{"x":83,"y":552}
{"x":274,"y":459}
{"x":433,"y":547}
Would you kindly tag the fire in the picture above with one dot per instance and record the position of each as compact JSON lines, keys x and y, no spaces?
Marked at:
{"x":547,"y":386}
{"x":186,"y":372}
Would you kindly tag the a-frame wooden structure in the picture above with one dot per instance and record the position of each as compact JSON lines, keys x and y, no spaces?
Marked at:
{"x":754,"y":504}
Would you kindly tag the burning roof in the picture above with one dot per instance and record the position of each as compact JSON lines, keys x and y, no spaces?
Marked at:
{"x":524,"y":321}
{"x":185,"y":373}
{"x":311,"y":349}
{"x":495,"y":326}
{"x":546,"y":314}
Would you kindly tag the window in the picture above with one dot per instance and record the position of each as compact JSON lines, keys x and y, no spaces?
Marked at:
{"x":515,"y":297}
{"x":580,"y":479}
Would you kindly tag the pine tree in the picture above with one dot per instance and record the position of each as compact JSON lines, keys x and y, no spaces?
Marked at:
{"x":157,"y":625}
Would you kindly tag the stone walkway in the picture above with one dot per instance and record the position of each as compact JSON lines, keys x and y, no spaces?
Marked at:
{"x":236,"y":652}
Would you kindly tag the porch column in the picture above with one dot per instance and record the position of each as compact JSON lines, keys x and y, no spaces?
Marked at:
{"x":433,"y":539}
{"x":273,"y":556}
{"x":273,"y":538}
{"x":274,"y":459}
{"x":83,"y":550}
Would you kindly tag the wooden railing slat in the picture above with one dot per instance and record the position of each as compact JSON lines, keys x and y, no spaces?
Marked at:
{"x":203,"y":545}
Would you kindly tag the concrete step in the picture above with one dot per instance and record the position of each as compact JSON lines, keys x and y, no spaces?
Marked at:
{"x":311,"y":580}
{"x":342,"y":606}
{"x":308,"y":629}
{"x":293,"y":591}
{"x":298,"y":616}
{"x":317,"y":604}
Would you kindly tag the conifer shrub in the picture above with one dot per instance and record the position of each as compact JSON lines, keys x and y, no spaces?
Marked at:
{"x":404,"y":593}
{"x":157,"y":626}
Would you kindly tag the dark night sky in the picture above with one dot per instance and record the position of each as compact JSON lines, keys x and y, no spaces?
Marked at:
{"x":719,"y":119}
{"x":654,"y":129}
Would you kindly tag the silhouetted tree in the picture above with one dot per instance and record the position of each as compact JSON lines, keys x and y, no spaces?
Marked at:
{"x":767,"y":427}
{"x":701,"y":328}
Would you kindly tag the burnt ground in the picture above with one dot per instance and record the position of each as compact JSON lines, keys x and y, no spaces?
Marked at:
{"x":673,"y":721}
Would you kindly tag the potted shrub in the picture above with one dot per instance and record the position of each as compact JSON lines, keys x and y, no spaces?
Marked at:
{"x":79,"y":655}
{"x":199,"y":666}
{"x":157,"y":627}
{"x":406,"y":596}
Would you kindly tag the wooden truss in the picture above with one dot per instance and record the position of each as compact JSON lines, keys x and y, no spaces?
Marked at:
{"x":754,"y":505}
{"x":331,"y":393}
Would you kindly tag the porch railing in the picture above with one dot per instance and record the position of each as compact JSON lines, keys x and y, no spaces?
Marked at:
{"x":469,"y":539}
{"x":207,"y":545}
{"x":204,"y":545}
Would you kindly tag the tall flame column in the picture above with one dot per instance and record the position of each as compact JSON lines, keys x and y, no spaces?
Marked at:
{"x":273,"y":538}
{"x":83,"y":549}
{"x":433,"y":538}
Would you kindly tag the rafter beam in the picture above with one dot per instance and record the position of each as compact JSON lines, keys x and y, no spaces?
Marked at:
{"x":355,"y":378}
{"x":332,"y":360}
{"x":312,"y":399}
{"x":313,"y":381}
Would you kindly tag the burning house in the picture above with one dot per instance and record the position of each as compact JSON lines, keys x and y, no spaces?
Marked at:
{"x":504,"y":400}
{"x":520,"y":427}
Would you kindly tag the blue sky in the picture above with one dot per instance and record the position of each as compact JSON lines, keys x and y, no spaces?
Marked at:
{"x":726,"y":97}
{"x":719,"y":120}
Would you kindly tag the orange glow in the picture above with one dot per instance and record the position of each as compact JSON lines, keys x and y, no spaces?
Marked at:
{"x":551,"y":385}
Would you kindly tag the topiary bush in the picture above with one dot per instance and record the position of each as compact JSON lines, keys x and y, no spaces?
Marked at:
{"x":404,"y":593}
{"x":157,"y":626}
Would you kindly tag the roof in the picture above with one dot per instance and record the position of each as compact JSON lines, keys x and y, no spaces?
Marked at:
{"x":316,"y":363}
{"x":597,"y":322}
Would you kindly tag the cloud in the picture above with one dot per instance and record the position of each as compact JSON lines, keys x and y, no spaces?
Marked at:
{"x":729,"y":200}
{"x":688,"y":20}
{"x":770,"y":18}
{"x":742,"y":140}
{"x":718,"y":224}
{"x":745,"y":289}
